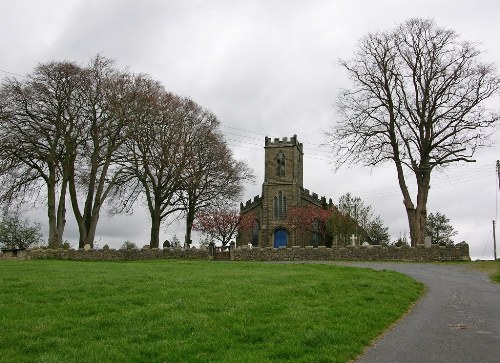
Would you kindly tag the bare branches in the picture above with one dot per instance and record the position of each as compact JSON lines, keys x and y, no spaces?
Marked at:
{"x":35,"y":116}
{"x":424,"y":84}
{"x":417,"y":99}
{"x":96,"y":132}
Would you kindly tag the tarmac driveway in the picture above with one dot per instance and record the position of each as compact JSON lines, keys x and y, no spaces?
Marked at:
{"x":458,"y":319}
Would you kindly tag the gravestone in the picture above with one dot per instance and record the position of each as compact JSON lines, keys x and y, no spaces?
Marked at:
{"x":87,"y":247}
{"x":427,"y":241}
{"x":353,"y":239}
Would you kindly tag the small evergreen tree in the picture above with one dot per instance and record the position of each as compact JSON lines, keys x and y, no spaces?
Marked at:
{"x":377,"y":232}
{"x":16,"y":232}
{"x":176,"y":243}
{"x":439,"y":228}
{"x":128,"y":245}
{"x":401,"y":241}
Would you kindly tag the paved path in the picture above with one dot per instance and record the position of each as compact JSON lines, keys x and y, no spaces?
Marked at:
{"x":458,"y":320}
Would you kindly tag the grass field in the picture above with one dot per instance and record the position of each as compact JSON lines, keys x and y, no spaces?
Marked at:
{"x":491,"y":268}
{"x":180,"y":311}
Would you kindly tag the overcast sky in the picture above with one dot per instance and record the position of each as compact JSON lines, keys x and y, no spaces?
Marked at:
{"x":264,"y":68}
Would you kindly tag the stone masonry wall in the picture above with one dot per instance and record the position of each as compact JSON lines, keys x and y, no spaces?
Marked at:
{"x":110,"y":255}
{"x":459,"y":252}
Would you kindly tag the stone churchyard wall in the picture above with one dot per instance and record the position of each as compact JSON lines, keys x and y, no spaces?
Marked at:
{"x":109,"y":254}
{"x":459,"y":252}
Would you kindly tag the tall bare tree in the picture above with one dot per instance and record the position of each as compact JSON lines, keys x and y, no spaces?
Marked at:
{"x":213,"y":177}
{"x":418,"y":101}
{"x":37,"y":116}
{"x":106,"y":96}
{"x":163,"y":131}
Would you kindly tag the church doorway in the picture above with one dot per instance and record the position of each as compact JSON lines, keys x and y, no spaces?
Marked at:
{"x":280,"y":238}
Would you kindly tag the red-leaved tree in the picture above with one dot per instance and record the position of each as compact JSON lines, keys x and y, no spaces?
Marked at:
{"x":222,"y":225}
{"x":310,"y":220}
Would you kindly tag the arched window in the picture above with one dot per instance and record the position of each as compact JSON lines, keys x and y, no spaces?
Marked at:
{"x":280,"y":164}
{"x":279,"y":205}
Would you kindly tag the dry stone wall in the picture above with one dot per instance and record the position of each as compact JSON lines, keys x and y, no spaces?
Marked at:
{"x":110,"y":255}
{"x":459,"y":252}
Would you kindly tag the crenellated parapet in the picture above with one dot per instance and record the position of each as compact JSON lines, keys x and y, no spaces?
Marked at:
{"x":315,"y":199}
{"x":250,"y":204}
{"x":285,"y":141}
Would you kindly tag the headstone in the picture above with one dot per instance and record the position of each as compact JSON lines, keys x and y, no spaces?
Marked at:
{"x":365,"y":244}
{"x":427,"y":241}
{"x":86,"y":247}
{"x":353,"y":239}
{"x":250,"y":246}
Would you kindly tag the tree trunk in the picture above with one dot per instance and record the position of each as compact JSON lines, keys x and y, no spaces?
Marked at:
{"x":155,"y":229}
{"x":61,"y":211}
{"x":87,"y":228}
{"x":54,"y":237}
{"x":423,"y":184}
{"x":91,"y":229}
{"x":82,"y":231}
{"x":189,"y":227}
{"x":417,"y":216}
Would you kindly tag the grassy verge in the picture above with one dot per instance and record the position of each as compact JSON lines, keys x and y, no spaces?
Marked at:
{"x":491,"y":268}
{"x":181,"y":311}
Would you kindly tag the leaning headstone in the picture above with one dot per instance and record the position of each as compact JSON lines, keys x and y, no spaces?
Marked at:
{"x":427,"y":241}
{"x":87,"y":247}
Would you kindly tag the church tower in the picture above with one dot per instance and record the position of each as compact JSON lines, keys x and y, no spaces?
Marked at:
{"x":281,"y":190}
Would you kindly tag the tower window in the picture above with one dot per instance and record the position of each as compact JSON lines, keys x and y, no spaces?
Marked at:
{"x":279,"y":206}
{"x":280,"y":164}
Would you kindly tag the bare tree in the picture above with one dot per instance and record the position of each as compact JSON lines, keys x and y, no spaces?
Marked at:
{"x":212,"y":178}
{"x":355,"y":208}
{"x":418,"y":100}
{"x":163,"y":129}
{"x":37,"y":116}
{"x":106,"y":97}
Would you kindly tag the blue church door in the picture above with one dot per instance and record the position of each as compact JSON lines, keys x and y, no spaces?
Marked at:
{"x":280,"y":237}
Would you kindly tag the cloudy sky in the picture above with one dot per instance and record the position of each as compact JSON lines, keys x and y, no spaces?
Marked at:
{"x":264,"y":68}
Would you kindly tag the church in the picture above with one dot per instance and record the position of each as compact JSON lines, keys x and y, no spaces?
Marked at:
{"x":282,"y":189}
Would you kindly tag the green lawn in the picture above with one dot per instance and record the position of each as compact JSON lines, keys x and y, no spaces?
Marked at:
{"x":491,"y":268}
{"x":184,"y":311}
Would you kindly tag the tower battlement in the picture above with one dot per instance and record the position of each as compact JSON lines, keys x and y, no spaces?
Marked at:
{"x":285,"y":141}
{"x":250,"y":204}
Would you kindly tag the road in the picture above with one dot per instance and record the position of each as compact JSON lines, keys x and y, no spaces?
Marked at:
{"x":458,"y":319}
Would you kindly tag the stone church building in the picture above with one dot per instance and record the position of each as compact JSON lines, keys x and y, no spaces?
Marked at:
{"x":282,"y":189}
